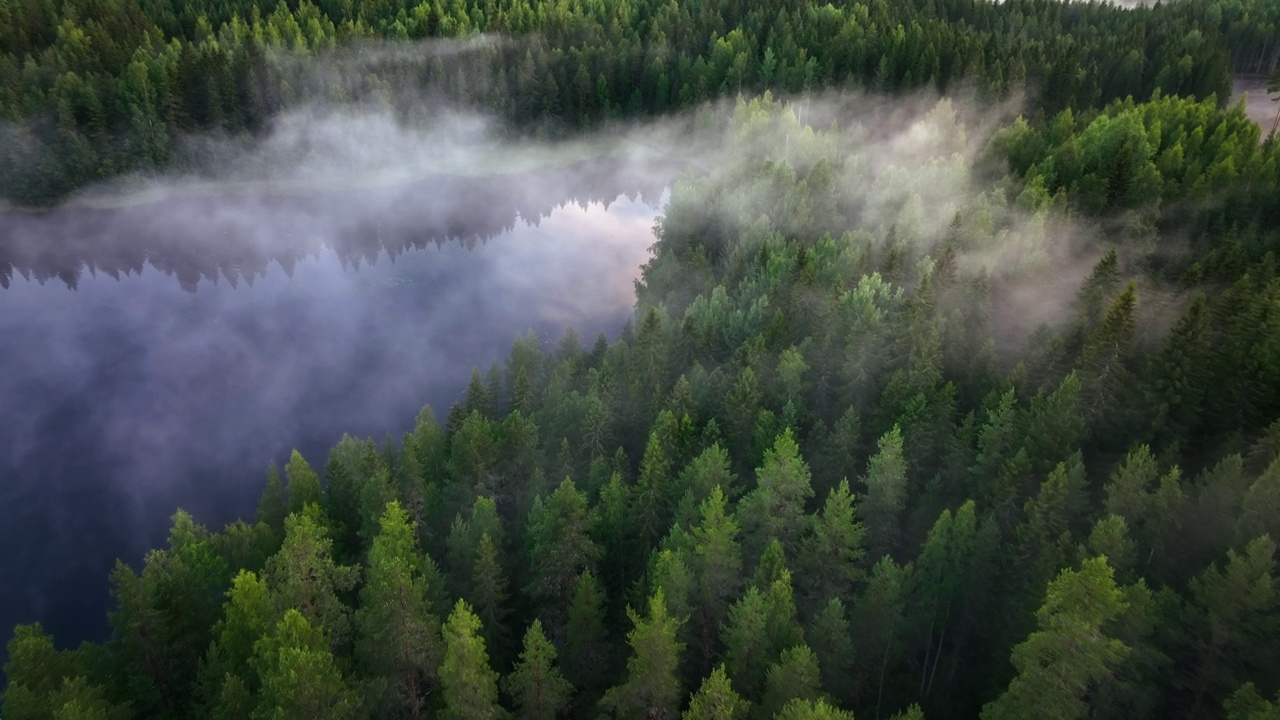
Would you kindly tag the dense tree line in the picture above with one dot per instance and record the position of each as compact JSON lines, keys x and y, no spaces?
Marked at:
{"x":818,"y":477}
{"x":93,"y":88}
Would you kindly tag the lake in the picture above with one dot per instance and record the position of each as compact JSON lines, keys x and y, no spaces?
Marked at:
{"x":160,"y":355}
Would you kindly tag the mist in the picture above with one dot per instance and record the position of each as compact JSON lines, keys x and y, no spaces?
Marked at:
{"x":171,"y":334}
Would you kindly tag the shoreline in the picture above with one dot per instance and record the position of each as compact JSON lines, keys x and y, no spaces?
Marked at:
{"x":494,"y":163}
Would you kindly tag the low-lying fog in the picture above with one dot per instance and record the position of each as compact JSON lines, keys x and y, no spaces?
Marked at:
{"x":187,"y":357}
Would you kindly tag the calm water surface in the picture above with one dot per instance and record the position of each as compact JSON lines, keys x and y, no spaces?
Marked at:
{"x":162,"y":356}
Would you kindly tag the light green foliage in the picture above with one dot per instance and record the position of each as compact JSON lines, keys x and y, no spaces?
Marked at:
{"x":791,"y":370}
{"x":77,"y":699}
{"x":812,"y":710}
{"x":303,"y":576}
{"x":716,"y":700}
{"x":717,"y":565}
{"x":298,"y":674}
{"x":535,"y":684}
{"x":652,"y":686}
{"x":468,"y":685}
{"x":794,"y":677}
{"x":831,"y":562}
{"x":775,"y":509}
{"x":1247,"y":704}
{"x":1069,"y":652}
{"x":247,"y":615}
{"x":304,"y":484}
{"x":886,"y":483}
{"x":36,"y":674}
{"x":397,"y":635}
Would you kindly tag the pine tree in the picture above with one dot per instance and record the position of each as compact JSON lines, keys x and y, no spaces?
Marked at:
{"x":652,"y":688}
{"x":828,"y":635}
{"x":717,"y":565}
{"x":1106,"y":374}
{"x":303,"y":575}
{"x":298,"y":674}
{"x":886,"y":497}
{"x":794,"y":677}
{"x":468,"y":685}
{"x":716,"y":700}
{"x":652,"y":496}
{"x":397,"y":635}
{"x":489,"y":597}
{"x":1247,"y":704}
{"x":831,"y":561}
{"x":539,"y":690}
{"x":304,"y":484}
{"x":1236,"y":605}
{"x":876,"y":621}
{"x":812,"y":710}
{"x":775,"y":510}
{"x":1261,"y":510}
{"x":1070,"y":652}
{"x":748,"y":650}
{"x":560,"y":550}
{"x":585,"y":643}
{"x":248,"y":614}
{"x":35,"y":671}
{"x":274,"y":505}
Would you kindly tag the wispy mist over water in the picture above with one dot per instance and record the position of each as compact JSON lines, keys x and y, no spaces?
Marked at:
{"x":128,"y":398}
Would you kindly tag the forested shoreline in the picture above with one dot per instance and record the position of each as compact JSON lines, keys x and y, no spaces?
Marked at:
{"x":91,"y":89}
{"x":916,"y":418}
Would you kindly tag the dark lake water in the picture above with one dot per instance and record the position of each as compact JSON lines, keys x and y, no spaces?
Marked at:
{"x":161,"y":355}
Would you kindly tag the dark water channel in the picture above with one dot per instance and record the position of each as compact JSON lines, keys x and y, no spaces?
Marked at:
{"x":161,"y":355}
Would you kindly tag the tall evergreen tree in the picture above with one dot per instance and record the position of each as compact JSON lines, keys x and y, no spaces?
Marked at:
{"x":397,"y":635}
{"x":304,"y":484}
{"x":469,"y":687}
{"x":775,"y":510}
{"x":299,"y":675}
{"x":886,"y":482}
{"x":716,"y":700}
{"x":585,"y":643}
{"x":652,"y":688}
{"x":560,"y":550}
{"x":539,"y":690}
{"x":1070,"y":652}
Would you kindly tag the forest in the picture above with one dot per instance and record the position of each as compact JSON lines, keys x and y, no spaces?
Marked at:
{"x":91,"y":89}
{"x":913,"y":420}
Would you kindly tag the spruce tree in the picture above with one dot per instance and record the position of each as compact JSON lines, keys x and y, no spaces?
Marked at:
{"x":652,"y":688}
{"x":536,"y":686}
{"x":469,"y":687}
{"x":397,"y":635}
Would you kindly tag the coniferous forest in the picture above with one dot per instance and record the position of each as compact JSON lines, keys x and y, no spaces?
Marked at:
{"x":983,"y":425}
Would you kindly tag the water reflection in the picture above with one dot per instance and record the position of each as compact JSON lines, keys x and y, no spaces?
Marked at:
{"x":136,"y":394}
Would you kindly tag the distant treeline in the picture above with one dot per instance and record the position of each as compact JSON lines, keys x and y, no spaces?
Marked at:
{"x":93,"y":88}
